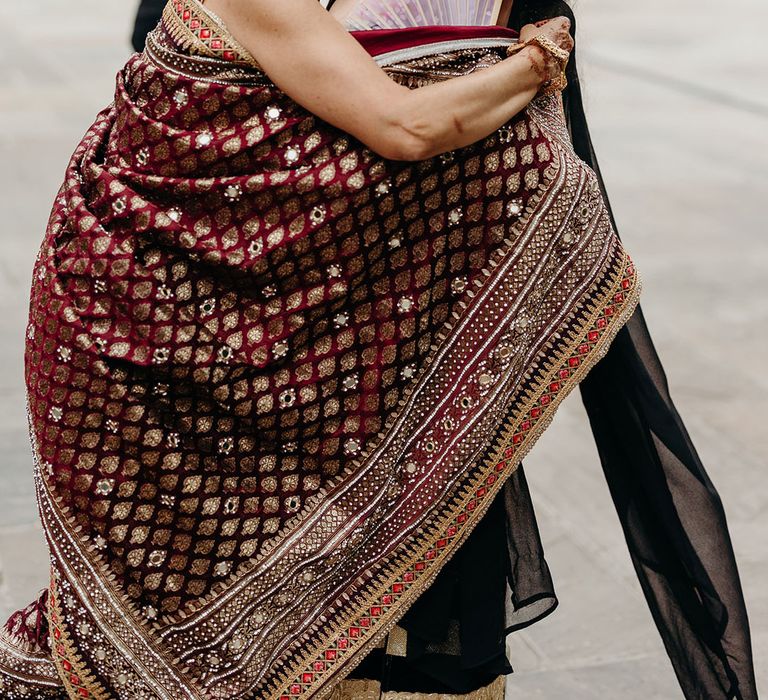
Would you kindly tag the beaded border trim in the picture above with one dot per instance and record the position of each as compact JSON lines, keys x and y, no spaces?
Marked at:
{"x":200,"y":32}
{"x":78,"y":681}
{"x":26,"y":674}
{"x":371,"y":690}
{"x":516,"y":437}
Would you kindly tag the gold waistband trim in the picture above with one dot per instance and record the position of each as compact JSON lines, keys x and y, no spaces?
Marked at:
{"x":371,"y":690}
{"x":202,"y":33}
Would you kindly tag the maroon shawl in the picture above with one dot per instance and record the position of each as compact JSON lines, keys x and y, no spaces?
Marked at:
{"x":275,"y":380}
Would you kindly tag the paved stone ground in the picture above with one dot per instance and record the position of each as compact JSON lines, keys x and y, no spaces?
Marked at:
{"x":679,"y":112}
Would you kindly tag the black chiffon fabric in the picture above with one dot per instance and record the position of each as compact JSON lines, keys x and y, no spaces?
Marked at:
{"x":497,"y":582}
{"x":147,"y":17}
{"x":670,"y":512}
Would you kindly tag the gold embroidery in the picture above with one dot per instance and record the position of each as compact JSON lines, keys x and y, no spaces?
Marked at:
{"x":371,"y":690}
{"x":507,"y":440}
{"x":381,"y":599}
{"x":202,"y":33}
{"x":74,"y":673}
{"x":397,"y":641}
{"x":356,"y":690}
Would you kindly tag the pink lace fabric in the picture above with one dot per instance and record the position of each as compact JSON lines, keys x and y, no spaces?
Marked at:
{"x":400,"y":14}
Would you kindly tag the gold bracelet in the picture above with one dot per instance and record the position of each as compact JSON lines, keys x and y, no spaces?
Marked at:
{"x":558,"y":84}
{"x":548,"y":46}
{"x":512,"y":49}
{"x":559,"y":54}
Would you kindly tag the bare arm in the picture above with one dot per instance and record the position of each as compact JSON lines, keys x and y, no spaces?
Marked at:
{"x":315,"y":61}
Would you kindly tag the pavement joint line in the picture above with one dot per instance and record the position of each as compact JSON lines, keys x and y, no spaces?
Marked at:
{"x":693,"y":89}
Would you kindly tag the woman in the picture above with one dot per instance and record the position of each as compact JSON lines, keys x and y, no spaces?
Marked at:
{"x":305,"y":301}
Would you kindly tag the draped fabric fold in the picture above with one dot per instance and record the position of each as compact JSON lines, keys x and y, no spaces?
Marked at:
{"x":673,"y":520}
{"x":276,"y":383}
{"x":670,"y":511}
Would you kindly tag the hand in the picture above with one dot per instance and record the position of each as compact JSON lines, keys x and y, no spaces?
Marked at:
{"x":557,"y":30}
{"x":547,"y":67}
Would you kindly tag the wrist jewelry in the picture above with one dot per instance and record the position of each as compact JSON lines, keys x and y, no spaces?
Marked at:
{"x":559,"y":54}
{"x":548,"y":46}
{"x":512,"y":49}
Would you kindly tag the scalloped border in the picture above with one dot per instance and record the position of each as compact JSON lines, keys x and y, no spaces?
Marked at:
{"x":78,"y":681}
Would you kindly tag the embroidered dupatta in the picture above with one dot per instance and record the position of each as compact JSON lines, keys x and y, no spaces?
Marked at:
{"x":274,"y":380}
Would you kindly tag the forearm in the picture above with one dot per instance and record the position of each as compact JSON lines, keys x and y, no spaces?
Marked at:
{"x":316,"y":62}
{"x":455,"y":113}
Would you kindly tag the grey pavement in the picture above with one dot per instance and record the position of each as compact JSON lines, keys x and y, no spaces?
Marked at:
{"x":678,"y":106}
